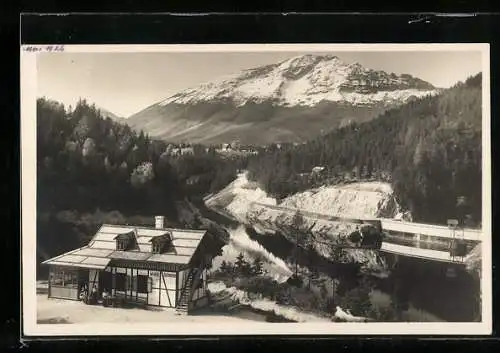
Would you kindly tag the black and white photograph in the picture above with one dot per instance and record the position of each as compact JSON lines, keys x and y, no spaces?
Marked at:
{"x":256,"y":189}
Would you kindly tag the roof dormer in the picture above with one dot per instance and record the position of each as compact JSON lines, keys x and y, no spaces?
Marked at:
{"x":125,"y":241}
{"x":161,"y":243}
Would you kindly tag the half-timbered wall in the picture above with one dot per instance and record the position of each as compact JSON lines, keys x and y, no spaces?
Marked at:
{"x":148,"y":286}
{"x":163,"y":288}
{"x":154,"y":288}
{"x":167,"y":289}
{"x":130,"y":283}
{"x":139,"y":285}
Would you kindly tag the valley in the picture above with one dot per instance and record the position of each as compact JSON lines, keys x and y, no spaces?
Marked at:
{"x":291,"y":101}
{"x":289,"y":166}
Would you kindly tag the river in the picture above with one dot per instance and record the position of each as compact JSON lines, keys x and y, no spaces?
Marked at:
{"x":411,"y":290}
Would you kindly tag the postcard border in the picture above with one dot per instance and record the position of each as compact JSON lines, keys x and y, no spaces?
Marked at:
{"x":28,"y":210}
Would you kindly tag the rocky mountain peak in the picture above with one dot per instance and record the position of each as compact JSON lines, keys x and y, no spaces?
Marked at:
{"x":307,"y":80}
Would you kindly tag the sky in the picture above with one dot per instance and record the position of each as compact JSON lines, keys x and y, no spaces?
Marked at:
{"x":126,"y":83}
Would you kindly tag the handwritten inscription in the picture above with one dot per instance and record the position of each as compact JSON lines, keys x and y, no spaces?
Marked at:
{"x":43,"y":48}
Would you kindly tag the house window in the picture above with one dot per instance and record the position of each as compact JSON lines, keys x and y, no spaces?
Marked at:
{"x":157,"y":247}
{"x":121,"y":244}
{"x":64,"y":278}
{"x":160,"y":244}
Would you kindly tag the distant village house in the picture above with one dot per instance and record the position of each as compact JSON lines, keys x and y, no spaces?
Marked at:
{"x":226,"y":147}
{"x":318,"y":170}
{"x":185,"y":151}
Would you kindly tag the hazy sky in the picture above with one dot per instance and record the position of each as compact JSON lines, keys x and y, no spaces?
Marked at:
{"x":126,"y":83}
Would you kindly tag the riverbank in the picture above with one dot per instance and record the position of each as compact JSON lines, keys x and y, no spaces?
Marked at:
{"x":408,"y":291}
{"x":243,"y":201}
{"x":291,"y":314}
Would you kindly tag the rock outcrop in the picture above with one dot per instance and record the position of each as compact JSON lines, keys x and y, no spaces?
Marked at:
{"x":328,"y":215}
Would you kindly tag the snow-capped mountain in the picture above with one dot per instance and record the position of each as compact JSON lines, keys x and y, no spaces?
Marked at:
{"x":288,"y":101}
{"x":307,"y":80}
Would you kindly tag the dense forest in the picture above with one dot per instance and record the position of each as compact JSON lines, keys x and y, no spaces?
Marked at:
{"x":86,"y":161}
{"x":92,"y":170}
{"x":428,"y":149}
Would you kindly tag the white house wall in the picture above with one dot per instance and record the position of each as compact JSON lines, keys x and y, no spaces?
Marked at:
{"x":168,"y":287}
{"x":163,"y":288}
{"x":154,"y":295}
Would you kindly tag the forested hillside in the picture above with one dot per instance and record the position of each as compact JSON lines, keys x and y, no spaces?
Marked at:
{"x":428,"y":149}
{"x":92,"y":170}
{"x":87,"y":162}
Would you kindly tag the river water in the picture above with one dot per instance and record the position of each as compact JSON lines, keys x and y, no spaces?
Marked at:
{"x":411,"y":290}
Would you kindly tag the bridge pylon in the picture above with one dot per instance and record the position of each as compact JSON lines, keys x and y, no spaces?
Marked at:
{"x":457,"y":247}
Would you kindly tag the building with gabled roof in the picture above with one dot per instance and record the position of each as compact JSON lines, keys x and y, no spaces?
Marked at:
{"x":145,"y":265}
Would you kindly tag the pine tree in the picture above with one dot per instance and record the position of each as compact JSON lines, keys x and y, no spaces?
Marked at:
{"x":257,"y":266}
{"x":225,"y":267}
{"x":241,"y":264}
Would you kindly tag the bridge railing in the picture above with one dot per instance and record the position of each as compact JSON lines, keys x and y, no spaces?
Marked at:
{"x":390,"y":224}
{"x":431,"y":254}
{"x":431,"y":230}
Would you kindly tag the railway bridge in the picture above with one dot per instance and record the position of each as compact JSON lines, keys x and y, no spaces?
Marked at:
{"x":429,"y":241}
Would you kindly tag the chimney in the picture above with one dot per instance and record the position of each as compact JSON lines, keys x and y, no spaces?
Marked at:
{"x":159,"y":220}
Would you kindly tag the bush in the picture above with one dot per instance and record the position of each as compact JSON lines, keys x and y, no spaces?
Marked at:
{"x":283,"y":295}
{"x":295,"y":281}
{"x":264,"y":285}
{"x":356,"y":299}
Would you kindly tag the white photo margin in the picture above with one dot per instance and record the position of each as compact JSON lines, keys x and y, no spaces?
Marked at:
{"x":30,"y":327}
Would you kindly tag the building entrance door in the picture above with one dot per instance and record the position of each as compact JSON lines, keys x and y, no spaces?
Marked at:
{"x":105,"y":282}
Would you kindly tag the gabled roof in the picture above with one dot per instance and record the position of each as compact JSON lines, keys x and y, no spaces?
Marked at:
{"x":130,"y":237}
{"x":102,"y":247}
{"x":164,"y":237}
{"x":127,"y":235}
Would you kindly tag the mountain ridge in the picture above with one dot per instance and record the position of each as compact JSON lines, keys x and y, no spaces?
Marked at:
{"x":314,"y":77}
{"x":429,"y":150}
{"x":289,"y":101}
